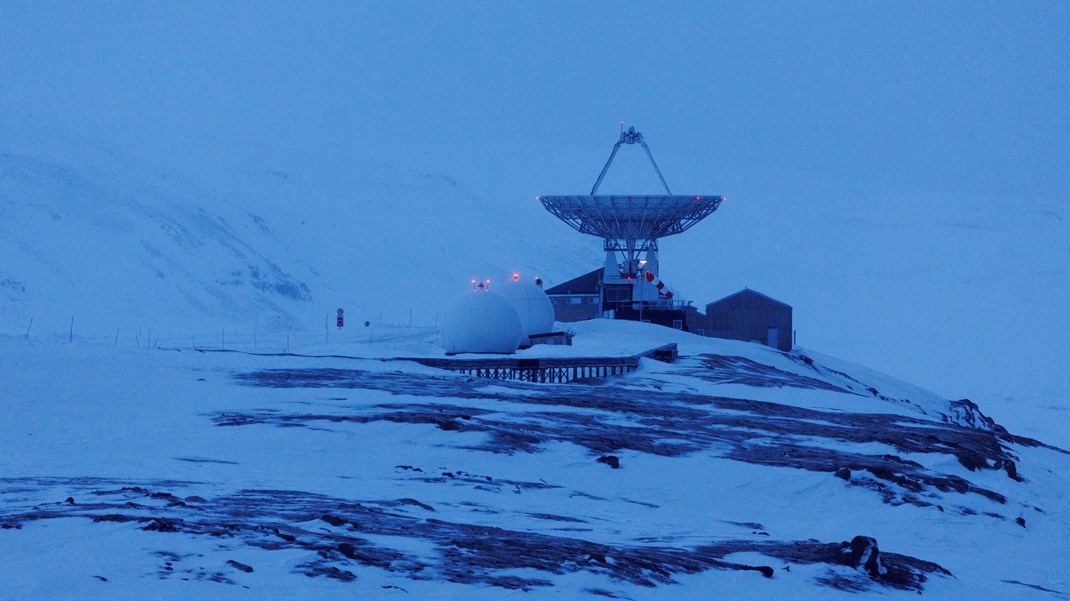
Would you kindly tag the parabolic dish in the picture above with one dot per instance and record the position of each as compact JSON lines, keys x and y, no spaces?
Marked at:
{"x":631,"y":217}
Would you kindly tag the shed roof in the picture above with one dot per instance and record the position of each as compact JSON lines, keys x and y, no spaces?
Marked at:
{"x":750,"y":292}
{"x":585,"y":284}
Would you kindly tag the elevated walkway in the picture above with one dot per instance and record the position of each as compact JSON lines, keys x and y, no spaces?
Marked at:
{"x":550,"y":370}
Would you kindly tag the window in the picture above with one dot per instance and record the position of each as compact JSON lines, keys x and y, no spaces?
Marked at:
{"x":677,"y":324}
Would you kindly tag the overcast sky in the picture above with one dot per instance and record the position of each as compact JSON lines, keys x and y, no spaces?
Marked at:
{"x":952,"y":95}
{"x":870,"y":111}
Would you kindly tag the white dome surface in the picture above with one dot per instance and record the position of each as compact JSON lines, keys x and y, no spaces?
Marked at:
{"x":533,"y":306}
{"x":481,"y":322}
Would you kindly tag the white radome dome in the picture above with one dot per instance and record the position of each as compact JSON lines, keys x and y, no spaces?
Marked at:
{"x":481,"y":322}
{"x":533,"y":306}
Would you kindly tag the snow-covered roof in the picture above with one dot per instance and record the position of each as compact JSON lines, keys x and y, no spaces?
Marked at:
{"x":584,"y":284}
{"x":749,"y":292}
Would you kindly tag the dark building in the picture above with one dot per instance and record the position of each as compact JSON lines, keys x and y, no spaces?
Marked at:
{"x":589,"y":296}
{"x":577,"y":299}
{"x":696,"y":321}
{"x":751,"y":316}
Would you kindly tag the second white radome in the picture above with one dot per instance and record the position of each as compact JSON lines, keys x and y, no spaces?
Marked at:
{"x":531,"y":304}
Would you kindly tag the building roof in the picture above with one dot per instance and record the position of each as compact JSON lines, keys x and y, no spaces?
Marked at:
{"x":749,"y":292}
{"x":585,"y":284}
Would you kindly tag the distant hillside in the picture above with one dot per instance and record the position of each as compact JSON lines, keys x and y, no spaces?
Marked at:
{"x":117,"y":244}
{"x":905,"y":281}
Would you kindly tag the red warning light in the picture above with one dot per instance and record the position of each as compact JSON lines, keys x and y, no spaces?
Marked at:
{"x":516,"y":277}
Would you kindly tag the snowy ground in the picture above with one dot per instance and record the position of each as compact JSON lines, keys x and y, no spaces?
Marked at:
{"x":132,"y":473}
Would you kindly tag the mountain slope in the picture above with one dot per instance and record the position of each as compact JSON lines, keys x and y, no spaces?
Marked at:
{"x":119,"y":244}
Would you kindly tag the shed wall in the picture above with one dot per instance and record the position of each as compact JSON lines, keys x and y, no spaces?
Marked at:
{"x":748,"y":316}
{"x":575,"y":312}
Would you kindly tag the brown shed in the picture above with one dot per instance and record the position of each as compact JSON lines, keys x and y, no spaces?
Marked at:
{"x":751,"y":316}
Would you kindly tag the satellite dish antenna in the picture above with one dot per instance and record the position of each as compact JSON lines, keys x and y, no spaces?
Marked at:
{"x":629,"y":137}
{"x":631,"y":225}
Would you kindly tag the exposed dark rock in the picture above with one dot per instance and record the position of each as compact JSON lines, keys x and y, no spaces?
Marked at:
{"x":1011,"y":468}
{"x":466,"y":553}
{"x":844,"y":473}
{"x":672,"y":424}
{"x":1035,"y":587}
{"x":160,"y":525}
{"x":862,"y":554}
{"x":725,"y":369}
{"x":406,"y":501}
{"x":598,"y":592}
{"x":333,"y":520}
{"x":1020,"y":521}
{"x":69,"y":500}
{"x":114,"y":517}
{"x":517,"y":583}
{"x":318,"y":568}
{"x":237,"y":565}
{"x":611,"y":460}
{"x":967,"y":412}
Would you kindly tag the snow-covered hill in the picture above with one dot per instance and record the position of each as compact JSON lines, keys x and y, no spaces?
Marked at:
{"x":915,"y":287}
{"x":217,"y":475}
{"x":113,"y":250}
{"x":182,"y":184}
{"x":121,"y":245}
{"x":737,"y":471}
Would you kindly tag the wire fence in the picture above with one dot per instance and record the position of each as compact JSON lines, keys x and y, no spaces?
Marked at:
{"x":249,"y":338}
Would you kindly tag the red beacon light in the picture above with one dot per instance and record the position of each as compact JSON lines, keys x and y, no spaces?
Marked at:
{"x":516,"y":277}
